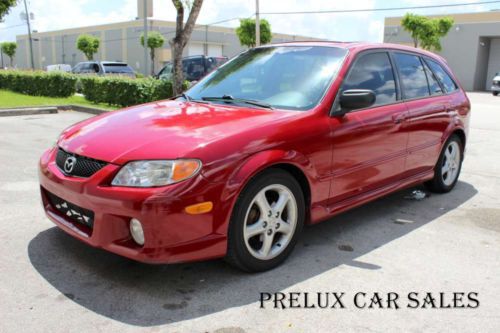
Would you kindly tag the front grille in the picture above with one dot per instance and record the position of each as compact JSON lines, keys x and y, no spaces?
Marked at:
{"x":71,"y":211}
{"x":496,"y":83}
{"x":76,"y":165}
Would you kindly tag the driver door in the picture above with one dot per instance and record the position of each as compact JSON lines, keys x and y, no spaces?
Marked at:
{"x":369,"y":144}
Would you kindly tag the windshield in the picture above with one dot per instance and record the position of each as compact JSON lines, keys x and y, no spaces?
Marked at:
{"x":286,"y":77}
{"x":167,"y":69}
{"x":117,"y":68}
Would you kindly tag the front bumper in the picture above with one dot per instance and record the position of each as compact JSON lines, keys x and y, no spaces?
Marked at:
{"x":495,"y":88}
{"x":171,"y":234}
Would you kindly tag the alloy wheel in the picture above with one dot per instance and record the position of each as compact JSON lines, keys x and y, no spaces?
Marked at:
{"x":451,"y":163}
{"x":270,"y":222}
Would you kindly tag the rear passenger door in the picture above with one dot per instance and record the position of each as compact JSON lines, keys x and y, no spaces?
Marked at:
{"x":427,"y":112}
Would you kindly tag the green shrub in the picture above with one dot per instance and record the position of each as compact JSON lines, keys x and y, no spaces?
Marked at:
{"x":54,"y":84}
{"x":124,"y":91}
{"x":113,"y":90}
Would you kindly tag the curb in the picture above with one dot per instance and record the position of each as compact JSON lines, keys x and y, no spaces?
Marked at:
{"x":27,"y":111}
{"x":79,"y":108}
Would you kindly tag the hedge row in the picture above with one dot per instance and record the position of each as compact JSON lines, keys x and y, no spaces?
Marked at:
{"x":54,"y":84}
{"x":124,"y":91}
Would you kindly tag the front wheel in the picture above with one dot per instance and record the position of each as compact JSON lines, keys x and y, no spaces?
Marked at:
{"x":266,"y":222}
{"x":495,"y":93}
{"x":448,"y":166}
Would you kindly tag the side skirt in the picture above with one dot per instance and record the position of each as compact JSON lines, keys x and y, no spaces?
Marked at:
{"x":358,"y":200}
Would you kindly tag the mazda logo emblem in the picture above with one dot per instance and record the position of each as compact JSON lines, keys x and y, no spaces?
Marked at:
{"x":69,"y":164}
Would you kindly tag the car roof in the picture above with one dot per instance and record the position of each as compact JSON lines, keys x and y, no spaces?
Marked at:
{"x":359,"y":46}
{"x":114,"y":63}
{"x":103,"y":62}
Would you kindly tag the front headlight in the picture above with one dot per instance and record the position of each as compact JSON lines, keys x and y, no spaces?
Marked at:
{"x":155,"y":172}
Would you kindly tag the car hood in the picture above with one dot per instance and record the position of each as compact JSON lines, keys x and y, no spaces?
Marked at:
{"x":161,"y":130}
{"x":496,"y":78}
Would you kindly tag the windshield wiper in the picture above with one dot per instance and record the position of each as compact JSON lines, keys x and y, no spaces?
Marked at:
{"x":189,"y":98}
{"x":231,"y":99}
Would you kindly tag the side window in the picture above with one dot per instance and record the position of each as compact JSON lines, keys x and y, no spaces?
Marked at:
{"x":412,"y":75}
{"x":87,"y":68}
{"x":373,"y":71}
{"x":434,"y":85}
{"x":443,"y":77}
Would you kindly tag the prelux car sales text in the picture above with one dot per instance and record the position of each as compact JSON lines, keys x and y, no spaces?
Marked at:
{"x":364,"y":300}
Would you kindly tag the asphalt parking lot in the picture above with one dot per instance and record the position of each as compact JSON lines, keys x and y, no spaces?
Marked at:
{"x":443,"y":243}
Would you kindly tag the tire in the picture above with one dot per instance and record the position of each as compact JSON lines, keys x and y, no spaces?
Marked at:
{"x":495,"y":93}
{"x":258,"y":241}
{"x":448,"y":166}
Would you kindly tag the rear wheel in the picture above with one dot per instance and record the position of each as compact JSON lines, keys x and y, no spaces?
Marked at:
{"x":266,"y":222}
{"x":448,"y":166}
{"x":495,"y":93}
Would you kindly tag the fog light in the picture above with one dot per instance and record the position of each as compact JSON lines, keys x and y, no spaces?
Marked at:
{"x":136,"y":231}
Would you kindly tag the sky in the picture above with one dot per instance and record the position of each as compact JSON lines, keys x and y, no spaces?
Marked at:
{"x":366,"y":26}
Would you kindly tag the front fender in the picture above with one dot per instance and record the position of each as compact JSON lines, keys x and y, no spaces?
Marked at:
{"x":254,"y":164}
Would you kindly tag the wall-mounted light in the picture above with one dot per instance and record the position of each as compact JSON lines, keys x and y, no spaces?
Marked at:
{"x":482,"y":44}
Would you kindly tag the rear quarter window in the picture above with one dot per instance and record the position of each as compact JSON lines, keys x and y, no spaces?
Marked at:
{"x":442,"y":76}
{"x":434,"y":85}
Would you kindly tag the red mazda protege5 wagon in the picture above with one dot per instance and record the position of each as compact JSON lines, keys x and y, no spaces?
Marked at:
{"x":278,"y":137}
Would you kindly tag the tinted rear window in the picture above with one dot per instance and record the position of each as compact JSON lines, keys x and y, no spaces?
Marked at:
{"x":412,"y":75}
{"x":117,"y":68}
{"x":442,"y":76}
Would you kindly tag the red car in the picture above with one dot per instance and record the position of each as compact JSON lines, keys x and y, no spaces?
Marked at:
{"x":278,"y":137}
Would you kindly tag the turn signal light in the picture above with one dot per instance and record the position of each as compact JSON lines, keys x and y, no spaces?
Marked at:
{"x":200,"y":208}
{"x":184,"y":169}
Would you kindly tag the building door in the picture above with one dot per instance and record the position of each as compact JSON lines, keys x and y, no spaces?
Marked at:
{"x":214,"y":50}
{"x":195,"y":49}
{"x":493,"y":62}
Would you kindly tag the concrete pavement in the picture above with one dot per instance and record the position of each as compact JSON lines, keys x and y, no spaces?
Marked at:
{"x":443,"y":243}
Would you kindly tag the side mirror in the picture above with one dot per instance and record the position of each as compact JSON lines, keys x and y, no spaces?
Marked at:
{"x":355,"y":99}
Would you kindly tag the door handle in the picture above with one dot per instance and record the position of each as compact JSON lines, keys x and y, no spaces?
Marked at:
{"x":451,"y":112}
{"x":398,"y":118}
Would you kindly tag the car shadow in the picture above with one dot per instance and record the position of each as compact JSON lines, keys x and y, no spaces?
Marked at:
{"x":148,"y":295}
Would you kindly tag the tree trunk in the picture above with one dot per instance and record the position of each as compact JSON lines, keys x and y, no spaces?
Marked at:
{"x":153,"y":62}
{"x":415,"y":42}
{"x":178,"y":74}
{"x":182,"y":36}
